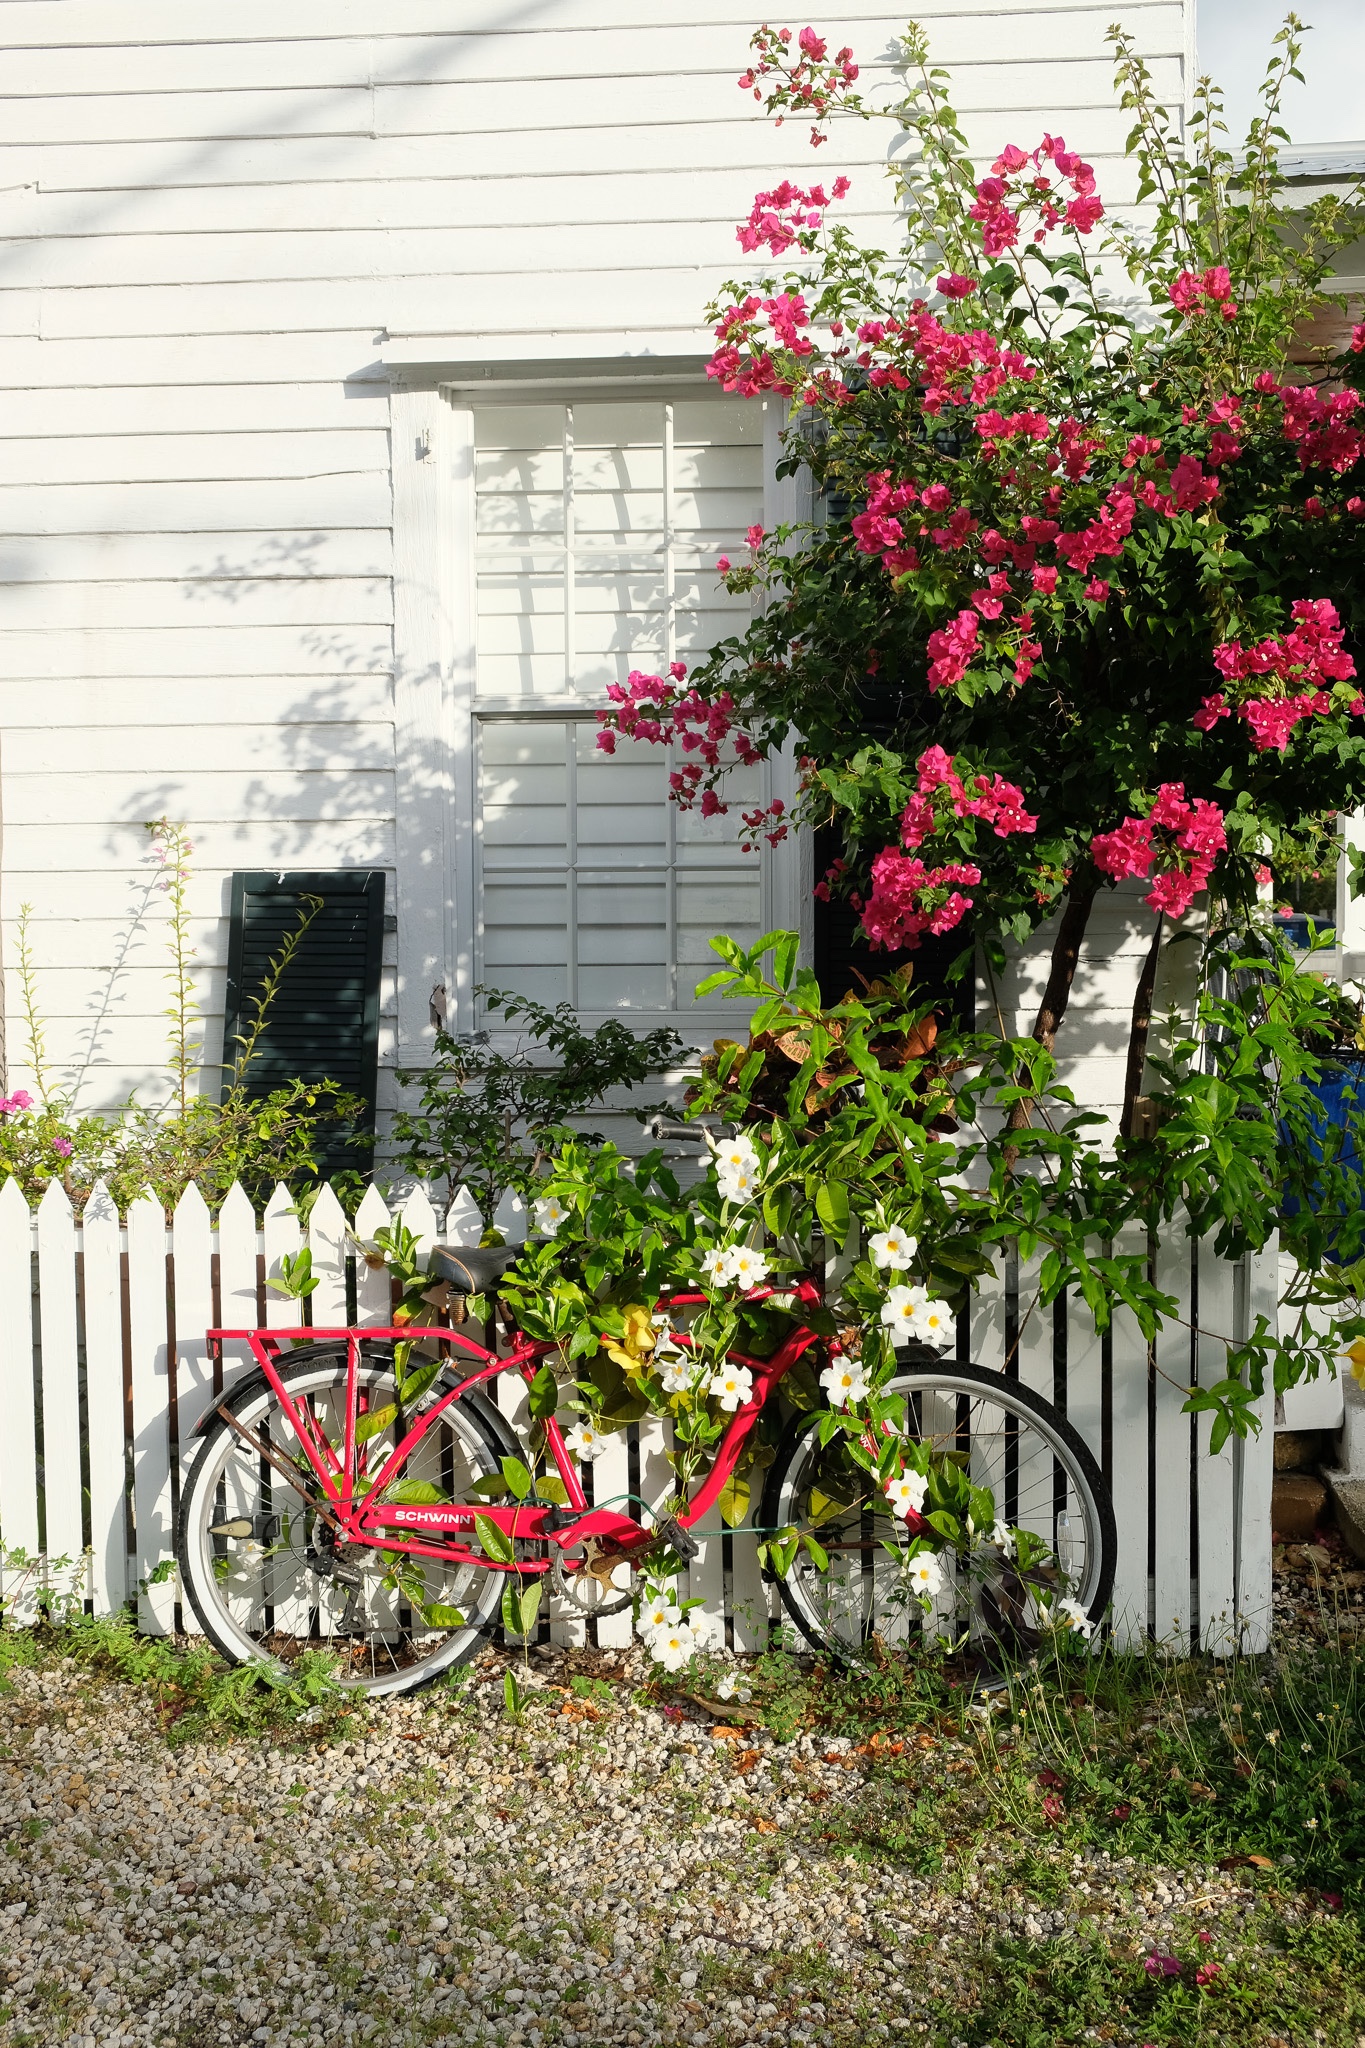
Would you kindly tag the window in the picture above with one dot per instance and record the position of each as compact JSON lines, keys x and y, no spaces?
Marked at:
{"x":596,"y":531}
{"x":323,"y":1024}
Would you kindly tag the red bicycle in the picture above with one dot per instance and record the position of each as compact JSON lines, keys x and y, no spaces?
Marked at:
{"x":352,"y":1496}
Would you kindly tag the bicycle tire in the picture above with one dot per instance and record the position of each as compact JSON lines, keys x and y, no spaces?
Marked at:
{"x":282,"y":1588}
{"x":842,"y":1622}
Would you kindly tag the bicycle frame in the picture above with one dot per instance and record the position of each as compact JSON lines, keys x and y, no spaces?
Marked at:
{"x":363,"y":1517}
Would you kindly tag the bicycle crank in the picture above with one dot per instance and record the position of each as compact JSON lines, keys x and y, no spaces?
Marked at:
{"x":590,"y":1587}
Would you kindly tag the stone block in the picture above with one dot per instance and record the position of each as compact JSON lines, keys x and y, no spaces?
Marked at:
{"x":1297,"y":1503}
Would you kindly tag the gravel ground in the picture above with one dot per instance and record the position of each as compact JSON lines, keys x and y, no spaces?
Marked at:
{"x":602,"y":1874}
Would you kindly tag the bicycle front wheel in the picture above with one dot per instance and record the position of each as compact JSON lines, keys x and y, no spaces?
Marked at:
{"x":1006,"y":1437}
{"x":261,"y":1568}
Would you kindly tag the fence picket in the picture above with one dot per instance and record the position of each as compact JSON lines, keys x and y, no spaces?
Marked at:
{"x":464,"y":1219}
{"x":1260,"y":1292}
{"x":63,"y":1535}
{"x":192,"y":1251}
{"x":1215,"y":1478}
{"x":151,"y":1409}
{"x":420,"y":1219}
{"x":1171,"y":1437}
{"x":373,"y":1294}
{"x":327,"y":1240}
{"x":238,"y":1283}
{"x":105,"y":1413}
{"x":1128,"y":1478}
{"x":18,"y":1439}
{"x":510,"y":1217}
{"x":283,"y":1238}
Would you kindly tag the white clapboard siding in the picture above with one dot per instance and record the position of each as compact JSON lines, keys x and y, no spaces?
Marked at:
{"x":684,"y":40}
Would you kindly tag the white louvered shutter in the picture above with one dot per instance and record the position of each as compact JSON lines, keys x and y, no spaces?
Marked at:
{"x":598,"y":526}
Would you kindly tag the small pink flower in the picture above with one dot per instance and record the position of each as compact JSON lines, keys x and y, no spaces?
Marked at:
{"x":63,"y":1147}
{"x":1264,"y":880}
{"x":955,"y":286}
{"x":723,"y":564}
{"x":1161,"y":1966}
{"x":1097,"y":590}
{"x":1206,"y":1974}
{"x":754,"y":536}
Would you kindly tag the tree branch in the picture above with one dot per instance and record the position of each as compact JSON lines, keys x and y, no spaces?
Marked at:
{"x":1137,"y":1037}
{"x":1066,"y":951}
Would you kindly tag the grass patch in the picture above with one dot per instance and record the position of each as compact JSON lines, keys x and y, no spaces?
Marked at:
{"x":196,"y":1695}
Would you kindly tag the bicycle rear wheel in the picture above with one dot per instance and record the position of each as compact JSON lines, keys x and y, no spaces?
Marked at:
{"x":261,"y":1568}
{"x":1043,"y":1478}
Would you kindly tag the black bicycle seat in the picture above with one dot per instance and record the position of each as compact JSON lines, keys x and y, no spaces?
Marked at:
{"x":471,"y":1269}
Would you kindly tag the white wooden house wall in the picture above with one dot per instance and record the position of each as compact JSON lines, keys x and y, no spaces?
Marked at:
{"x":241,"y":252}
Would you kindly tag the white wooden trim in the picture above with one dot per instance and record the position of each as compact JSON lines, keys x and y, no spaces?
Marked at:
{"x":422,"y":458}
{"x":460,"y":736}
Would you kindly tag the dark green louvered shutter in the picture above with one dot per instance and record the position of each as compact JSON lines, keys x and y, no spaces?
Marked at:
{"x":324,"y":1022}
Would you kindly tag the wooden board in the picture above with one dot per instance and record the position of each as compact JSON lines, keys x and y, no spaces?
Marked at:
{"x":104,"y":1404}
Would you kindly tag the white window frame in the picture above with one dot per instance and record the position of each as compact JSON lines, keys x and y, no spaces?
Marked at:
{"x":436,"y":711}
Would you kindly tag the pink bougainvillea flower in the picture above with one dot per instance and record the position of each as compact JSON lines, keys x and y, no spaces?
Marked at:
{"x":1206,"y":1974}
{"x":1192,"y":835}
{"x":63,"y":1147}
{"x":723,"y":564}
{"x":955,"y":286}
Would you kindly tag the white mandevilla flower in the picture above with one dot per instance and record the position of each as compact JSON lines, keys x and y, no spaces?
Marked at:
{"x":737,"y":1184}
{"x":892,"y":1248}
{"x":906,"y":1494}
{"x":844,"y":1381}
{"x":715,"y":1264}
{"x":1002,"y":1536}
{"x":732,"y":1386}
{"x":1076,"y":1617}
{"x":736,"y":1155}
{"x":585,"y":1442}
{"x":902,"y":1307}
{"x":658,"y":1610}
{"x":676,"y":1374}
{"x":550,"y":1213}
{"x":732,"y":1687}
{"x":673,"y":1646}
{"x":933,"y":1323}
{"x":749,"y":1268}
{"x":926,"y":1574}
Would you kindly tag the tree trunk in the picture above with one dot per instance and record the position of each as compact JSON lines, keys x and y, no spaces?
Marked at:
{"x":1066,"y":950}
{"x":1137,"y":1037}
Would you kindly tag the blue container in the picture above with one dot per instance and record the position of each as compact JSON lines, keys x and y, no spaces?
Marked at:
{"x":1341,"y":1091}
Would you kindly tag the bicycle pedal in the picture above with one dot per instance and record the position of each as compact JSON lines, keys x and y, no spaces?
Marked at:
{"x":680,"y":1541}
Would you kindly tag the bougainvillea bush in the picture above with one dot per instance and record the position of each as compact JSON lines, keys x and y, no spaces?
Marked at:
{"x":1081,"y":598}
{"x":1078,"y":607}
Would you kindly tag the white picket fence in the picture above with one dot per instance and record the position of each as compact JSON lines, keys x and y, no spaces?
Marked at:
{"x":104,"y":1372}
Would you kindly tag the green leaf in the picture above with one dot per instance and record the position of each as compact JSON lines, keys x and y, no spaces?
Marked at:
{"x":819,"y":1556}
{"x":518,"y":1478}
{"x":543,"y":1394}
{"x":831,"y":1206}
{"x":734,"y":1501}
{"x":412,"y":1387}
{"x":553,"y":1489}
{"x":520,"y":1606}
{"x":368,"y":1426}
{"x":496,"y":1543}
{"x":414,"y":1493}
{"x":438,"y":1616}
